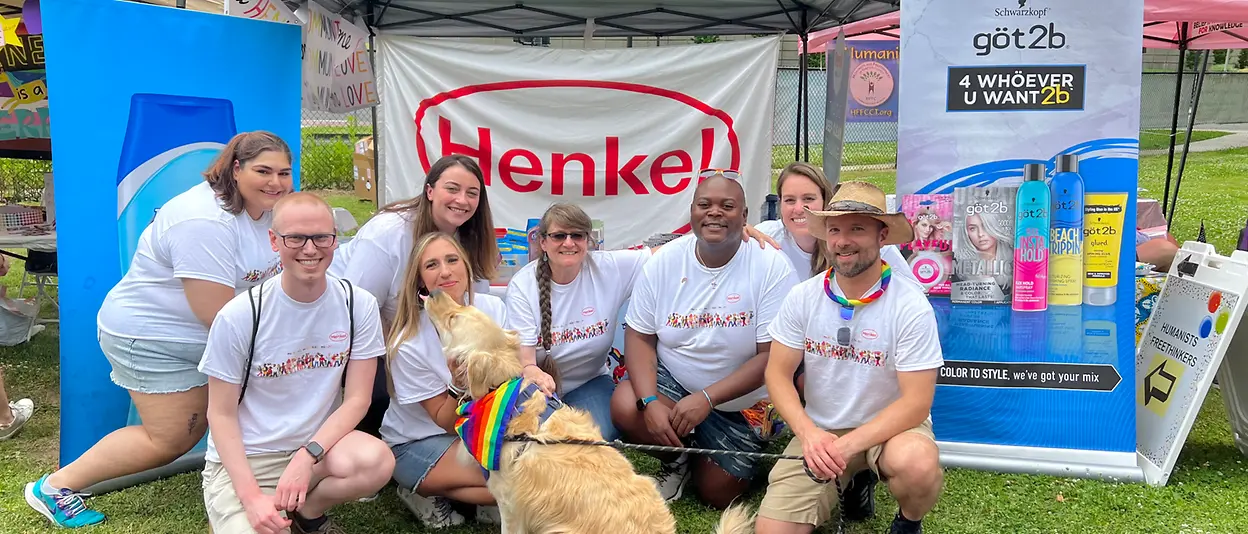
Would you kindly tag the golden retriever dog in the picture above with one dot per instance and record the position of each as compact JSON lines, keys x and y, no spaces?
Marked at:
{"x":546,"y":488}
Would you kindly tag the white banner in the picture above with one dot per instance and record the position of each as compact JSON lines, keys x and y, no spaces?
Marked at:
{"x":353,"y":86}
{"x":320,"y":44}
{"x":619,"y":132}
{"x":273,"y":10}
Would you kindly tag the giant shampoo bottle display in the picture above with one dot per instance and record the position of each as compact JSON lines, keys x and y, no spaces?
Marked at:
{"x":170,"y":141}
{"x":1066,"y":242}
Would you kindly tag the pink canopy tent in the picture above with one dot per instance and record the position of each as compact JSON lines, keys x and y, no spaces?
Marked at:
{"x":1190,"y":24}
{"x":1173,"y":24}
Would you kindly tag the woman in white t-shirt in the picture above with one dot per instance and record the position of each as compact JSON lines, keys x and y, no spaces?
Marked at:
{"x":202,"y":248}
{"x":800,"y":186}
{"x":696,"y":344}
{"x":419,"y":422}
{"x":455,"y":202}
{"x":565,"y":306}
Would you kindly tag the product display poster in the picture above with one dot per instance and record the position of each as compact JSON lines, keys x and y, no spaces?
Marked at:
{"x":985,"y":89}
{"x":125,"y":147}
{"x":1192,"y":325}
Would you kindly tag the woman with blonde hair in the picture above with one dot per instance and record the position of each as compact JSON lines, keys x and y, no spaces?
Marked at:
{"x":203,"y":247}
{"x":800,"y":186}
{"x":566,"y":306}
{"x":419,"y":423}
{"x":454,"y":201}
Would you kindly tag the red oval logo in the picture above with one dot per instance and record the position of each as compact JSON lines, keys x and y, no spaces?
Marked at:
{"x":870,"y":334}
{"x":338,"y":336}
{"x":734,"y":298}
{"x":589,"y":310}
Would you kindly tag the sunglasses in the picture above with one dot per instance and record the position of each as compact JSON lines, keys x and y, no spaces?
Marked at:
{"x":559,"y":237}
{"x":730,"y":174}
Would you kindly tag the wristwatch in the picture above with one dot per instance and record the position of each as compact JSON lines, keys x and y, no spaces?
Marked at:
{"x":317,"y":452}
{"x":641,"y":403}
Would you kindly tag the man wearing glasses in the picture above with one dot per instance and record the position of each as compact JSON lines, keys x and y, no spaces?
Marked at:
{"x":279,"y":453}
{"x":871,"y":354}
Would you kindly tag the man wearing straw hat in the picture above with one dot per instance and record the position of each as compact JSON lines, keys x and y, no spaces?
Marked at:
{"x":871,"y":355}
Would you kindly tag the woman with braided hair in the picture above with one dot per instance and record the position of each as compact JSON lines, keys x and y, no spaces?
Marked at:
{"x":565,"y":306}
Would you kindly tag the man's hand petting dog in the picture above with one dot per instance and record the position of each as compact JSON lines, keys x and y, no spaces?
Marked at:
{"x":689,"y":413}
{"x":822,"y":454}
{"x":659,"y":422}
{"x":537,"y":376}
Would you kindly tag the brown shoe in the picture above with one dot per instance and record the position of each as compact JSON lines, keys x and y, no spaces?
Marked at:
{"x":328,"y":527}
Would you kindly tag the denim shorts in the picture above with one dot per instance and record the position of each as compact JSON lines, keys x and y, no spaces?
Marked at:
{"x":153,"y":367}
{"x":415,"y":459}
{"x":595,"y":397}
{"x":729,"y":431}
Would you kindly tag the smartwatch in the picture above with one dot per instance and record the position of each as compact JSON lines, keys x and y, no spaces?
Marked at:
{"x":317,"y":452}
{"x":641,"y":403}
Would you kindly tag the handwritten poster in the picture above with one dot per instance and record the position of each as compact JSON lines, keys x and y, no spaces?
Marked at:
{"x":354,"y":86}
{"x":23,"y":84}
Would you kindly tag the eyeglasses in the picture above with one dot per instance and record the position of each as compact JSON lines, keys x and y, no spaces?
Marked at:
{"x":299,"y":240}
{"x":559,"y":237}
{"x":730,"y":174}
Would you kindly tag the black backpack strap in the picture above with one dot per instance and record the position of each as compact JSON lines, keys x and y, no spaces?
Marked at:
{"x":346,"y":284}
{"x":255,"y":327}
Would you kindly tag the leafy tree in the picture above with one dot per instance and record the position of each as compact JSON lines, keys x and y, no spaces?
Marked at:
{"x":701,"y":39}
{"x":1242,"y":61}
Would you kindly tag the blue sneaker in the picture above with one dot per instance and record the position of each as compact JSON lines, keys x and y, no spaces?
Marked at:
{"x":65,"y":509}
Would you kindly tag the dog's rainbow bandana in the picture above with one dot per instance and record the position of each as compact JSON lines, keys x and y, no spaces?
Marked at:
{"x":482,"y":423}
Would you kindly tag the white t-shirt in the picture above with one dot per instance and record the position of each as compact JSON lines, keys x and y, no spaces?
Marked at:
{"x":801,"y":259}
{"x":377,"y":260}
{"x":847,"y":386}
{"x":191,"y":237}
{"x":420,"y":373}
{"x":297,"y":370}
{"x":583,"y":313}
{"x":709,"y":320}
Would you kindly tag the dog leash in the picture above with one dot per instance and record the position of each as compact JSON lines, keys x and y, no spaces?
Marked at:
{"x":617,"y":444}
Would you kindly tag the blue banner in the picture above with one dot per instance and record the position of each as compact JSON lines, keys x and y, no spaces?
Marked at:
{"x":987,"y":88}
{"x":129,"y":139}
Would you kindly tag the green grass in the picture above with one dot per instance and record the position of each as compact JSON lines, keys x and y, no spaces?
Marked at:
{"x":1159,"y":139}
{"x":1206,"y":493}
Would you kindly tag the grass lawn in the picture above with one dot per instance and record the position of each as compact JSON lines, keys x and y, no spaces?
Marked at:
{"x":1206,"y":494}
{"x":1158,"y":139}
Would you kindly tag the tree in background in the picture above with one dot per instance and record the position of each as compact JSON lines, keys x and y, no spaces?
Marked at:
{"x":1219,"y":57}
{"x":702,"y":39}
{"x":1242,"y":61}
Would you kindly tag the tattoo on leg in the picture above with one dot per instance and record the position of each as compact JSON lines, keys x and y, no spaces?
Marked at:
{"x":190,"y":425}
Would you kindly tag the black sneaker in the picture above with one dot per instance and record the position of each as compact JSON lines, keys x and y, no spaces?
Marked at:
{"x":860,"y":496}
{"x":902,"y":525}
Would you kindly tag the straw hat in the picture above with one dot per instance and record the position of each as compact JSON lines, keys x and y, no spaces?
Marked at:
{"x":862,"y":198}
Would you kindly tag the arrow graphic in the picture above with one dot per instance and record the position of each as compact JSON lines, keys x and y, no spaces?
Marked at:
{"x":1152,"y":392}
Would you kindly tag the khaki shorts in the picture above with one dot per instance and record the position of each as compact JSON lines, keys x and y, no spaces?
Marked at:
{"x":793,"y":497}
{"x":225,"y":512}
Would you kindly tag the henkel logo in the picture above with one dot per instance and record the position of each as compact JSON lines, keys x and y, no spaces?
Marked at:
{"x":338,"y":336}
{"x":733,"y":298}
{"x":589,"y":310}
{"x":603,"y":157}
{"x":870,"y":334}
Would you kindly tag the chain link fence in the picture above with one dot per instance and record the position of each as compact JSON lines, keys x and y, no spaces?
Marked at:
{"x":327,"y":141}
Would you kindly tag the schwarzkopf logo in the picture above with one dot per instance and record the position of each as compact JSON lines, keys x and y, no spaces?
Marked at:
{"x":1022,"y":11}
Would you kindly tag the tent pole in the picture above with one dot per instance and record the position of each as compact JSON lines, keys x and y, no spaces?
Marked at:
{"x":1198,"y":86}
{"x":1174,"y":119}
{"x":805,"y":96}
{"x":797,"y":129}
{"x":378,"y":182}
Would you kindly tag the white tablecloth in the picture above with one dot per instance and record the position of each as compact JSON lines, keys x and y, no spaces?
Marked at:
{"x":42,"y":243}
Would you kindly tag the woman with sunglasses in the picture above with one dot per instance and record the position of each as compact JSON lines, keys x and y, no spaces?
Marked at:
{"x":801,"y":186}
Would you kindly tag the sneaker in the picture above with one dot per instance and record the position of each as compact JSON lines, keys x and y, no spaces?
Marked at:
{"x":902,"y":525}
{"x":860,"y":496}
{"x":489,"y":515}
{"x":433,"y":512}
{"x":22,"y":410}
{"x":328,"y":527}
{"x":64,"y":509}
{"x":673,"y":477}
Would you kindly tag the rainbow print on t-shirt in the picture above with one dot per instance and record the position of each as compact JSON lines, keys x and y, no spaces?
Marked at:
{"x":711,"y":320}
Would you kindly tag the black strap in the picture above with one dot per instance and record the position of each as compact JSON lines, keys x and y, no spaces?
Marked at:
{"x":257,"y":305}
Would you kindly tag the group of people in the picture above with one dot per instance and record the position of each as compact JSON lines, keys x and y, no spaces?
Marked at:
{"x":319,"y":378}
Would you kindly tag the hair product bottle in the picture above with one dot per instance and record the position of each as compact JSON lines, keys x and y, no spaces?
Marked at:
{"x":1031,"y":242}
{"x":1066,"y":237}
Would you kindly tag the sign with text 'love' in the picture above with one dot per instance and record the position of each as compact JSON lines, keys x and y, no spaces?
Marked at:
{"x":620,"y":133}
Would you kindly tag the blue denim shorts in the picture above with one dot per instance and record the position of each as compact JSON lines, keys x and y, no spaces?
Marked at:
{"x":728,"y":431}
{"x":595,"y":397}
{"x":153,"y":367}
{"x":413,"y":460}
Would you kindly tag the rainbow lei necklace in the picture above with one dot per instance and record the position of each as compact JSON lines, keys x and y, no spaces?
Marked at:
{"x":848,"y":305}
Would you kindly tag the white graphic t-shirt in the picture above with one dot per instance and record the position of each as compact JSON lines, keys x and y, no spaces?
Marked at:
{"x":708,"y":321}
{"x":847,"y":385}
{"x":800,"y":259}
{"x":377,"y":257}
{"x":420,"y":373}
{"x":297,"y":370}
{"x":584,"y":313}
{"x":191,"y":237}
